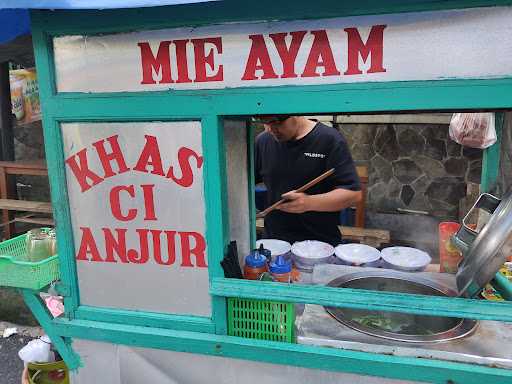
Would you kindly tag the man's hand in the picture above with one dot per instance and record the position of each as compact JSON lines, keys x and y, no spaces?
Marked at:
{"x":333,"y":201}
{"x":296,"y":202}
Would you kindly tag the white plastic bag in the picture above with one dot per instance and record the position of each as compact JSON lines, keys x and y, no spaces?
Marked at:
{"x":37,"y":351}
{"x":475,"y":130}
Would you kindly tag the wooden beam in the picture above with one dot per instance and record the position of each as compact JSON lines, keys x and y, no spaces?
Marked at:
{"x":24,"y":205}
{"x":354,"y":232}
{"x":35,"y":220}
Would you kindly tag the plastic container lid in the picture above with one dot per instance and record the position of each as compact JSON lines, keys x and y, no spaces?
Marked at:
{"x":275,"y":246}
{"x":255,"y":260}
{"x":357,"y":253}
{"x":312,"y":249}
{"x":406,"y":257}
{"x":280,"y":265}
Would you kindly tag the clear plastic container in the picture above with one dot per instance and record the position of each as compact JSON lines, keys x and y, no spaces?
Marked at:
{"x":405,"y":259}
{"x":359,"y":255}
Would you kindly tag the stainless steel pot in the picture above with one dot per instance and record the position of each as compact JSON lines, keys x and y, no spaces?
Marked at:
{"x":395,"y":325}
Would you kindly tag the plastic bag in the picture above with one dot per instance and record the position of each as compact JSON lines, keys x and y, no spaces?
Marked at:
{"x":37,"y":351}
{"x":475,"y":130}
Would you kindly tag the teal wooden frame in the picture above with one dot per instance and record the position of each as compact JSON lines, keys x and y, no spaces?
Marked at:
{"x":215,"y":200}
{"x":207,"y":336}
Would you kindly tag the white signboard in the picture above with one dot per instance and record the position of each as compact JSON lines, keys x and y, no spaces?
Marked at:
{"x":138,"y":215}
{"x":474,"y":43}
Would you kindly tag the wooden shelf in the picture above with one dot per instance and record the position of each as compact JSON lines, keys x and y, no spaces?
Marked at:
{"x":33,"y":168}
{"x":372,"y":237}
{"x":35,"y":220}
{"x":24,"y":205}
{"x":8,"y":194}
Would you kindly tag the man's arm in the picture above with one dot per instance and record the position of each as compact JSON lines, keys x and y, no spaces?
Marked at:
{"x":332,"y":201}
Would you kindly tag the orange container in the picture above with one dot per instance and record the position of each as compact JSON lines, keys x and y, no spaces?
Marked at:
{"x":449,"y":255}
{"x":255,"y":265}
{"x":282,"y":277}
{"x":251,"y":273}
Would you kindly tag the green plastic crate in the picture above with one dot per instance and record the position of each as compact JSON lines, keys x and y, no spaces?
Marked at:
{"x":15,"y":271}
{"x":259,"y":319}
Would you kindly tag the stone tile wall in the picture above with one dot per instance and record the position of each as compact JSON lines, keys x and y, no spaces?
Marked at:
{"x":413,"y":166}
{"x":504,"y":184}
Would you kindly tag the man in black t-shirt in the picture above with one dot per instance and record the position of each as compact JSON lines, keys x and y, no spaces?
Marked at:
{"x":292,"y":151}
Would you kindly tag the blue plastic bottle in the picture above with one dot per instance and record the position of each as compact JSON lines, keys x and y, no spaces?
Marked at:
{"x":255,"y":265}
{"x":281,"y":269}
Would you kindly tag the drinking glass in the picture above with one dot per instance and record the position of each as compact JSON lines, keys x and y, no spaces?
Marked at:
{"x":38,"y":245}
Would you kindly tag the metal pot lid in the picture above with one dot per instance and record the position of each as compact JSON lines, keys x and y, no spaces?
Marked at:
{"x":485,"y":251}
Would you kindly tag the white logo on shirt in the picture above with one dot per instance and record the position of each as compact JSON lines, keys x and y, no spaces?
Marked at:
{"x":309,"y":154}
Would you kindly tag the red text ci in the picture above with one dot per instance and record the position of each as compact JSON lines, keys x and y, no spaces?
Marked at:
{"x":129,"y":191}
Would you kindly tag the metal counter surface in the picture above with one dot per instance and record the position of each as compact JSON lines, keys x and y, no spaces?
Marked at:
{"x":490,"y":344}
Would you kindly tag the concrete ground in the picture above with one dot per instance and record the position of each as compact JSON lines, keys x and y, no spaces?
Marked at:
{"x":11,"y":366}
{"x":13,"y":308}
{"x":14,"y":314}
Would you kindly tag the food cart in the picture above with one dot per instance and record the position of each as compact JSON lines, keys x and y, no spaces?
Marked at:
{"x":149,"y":154}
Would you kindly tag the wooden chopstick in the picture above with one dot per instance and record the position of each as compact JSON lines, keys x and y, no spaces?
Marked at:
{"x":305,"y":187}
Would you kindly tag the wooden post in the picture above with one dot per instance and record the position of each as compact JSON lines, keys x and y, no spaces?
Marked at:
{"x":6,"y":131}
{"x":8,"y":186}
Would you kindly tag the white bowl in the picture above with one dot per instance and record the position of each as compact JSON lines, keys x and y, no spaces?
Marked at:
{"x":312,"y":252}
{"x":358,"y":255}
{"x":405,"y":258}
{"x":275,"y":246}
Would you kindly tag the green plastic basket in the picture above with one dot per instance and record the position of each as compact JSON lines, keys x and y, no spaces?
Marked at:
{"x":15,"y":271}
{"x":258,"y":319}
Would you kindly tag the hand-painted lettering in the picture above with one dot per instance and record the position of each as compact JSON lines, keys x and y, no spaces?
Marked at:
{"x":116,"y":155}
{"x":202,"y":59}
{"x":315,"y":46}
{"x":161,"y":64}
{"x":163,"y":247}
{"x":115,"y":244}
{"x":259,"y":61}
{"x":288,"y":55}
{"x":81,"y":170}
{"x":115,"y":202}
{"x":187,"y":175}
{"x":320,"y":55}
{"x":158,"y":69}
{"x":374,"y":46}
{"x":148,"y":161}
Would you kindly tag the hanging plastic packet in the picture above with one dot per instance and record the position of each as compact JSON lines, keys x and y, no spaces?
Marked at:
{"x":475,"y":130}
{"x":55,"y":305}
{"x":54,"y":302}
